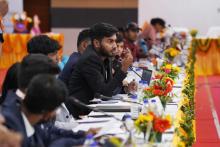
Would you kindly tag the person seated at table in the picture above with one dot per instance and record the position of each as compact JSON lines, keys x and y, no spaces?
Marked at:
{"x":93,"y":72}
{"x":43,"y":44}
{"x":10,"y":82}
{"x":148,"y":33}
{"x":160,"y":27}
{"x":83,"y":41}
{"x":44,"y":95}
{"x":131,"y":34}
{"x":31,"y":65}
{"x":116,"y":65}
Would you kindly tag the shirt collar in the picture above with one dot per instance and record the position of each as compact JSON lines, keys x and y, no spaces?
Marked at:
{"x":28,"y":127}
{"x":20,"y":94}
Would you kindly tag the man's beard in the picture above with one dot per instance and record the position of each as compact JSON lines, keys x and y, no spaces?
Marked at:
{"x":105,"y":53}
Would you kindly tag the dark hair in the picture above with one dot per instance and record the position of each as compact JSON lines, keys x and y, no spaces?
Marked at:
{"x":34,"y":64}
{"x":159,"y":21}
{"x":45,"y":93}
{"x":121,"y":29}
{"x":119,"y":38}
{"x":10,"y":81}
{"x":1,"y":38}
{"x":42,"y":44}
{"x":83,"y":35}
{"x":101,"y":30}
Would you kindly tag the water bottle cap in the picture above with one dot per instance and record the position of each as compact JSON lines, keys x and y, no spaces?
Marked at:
{"x":127,"y":116}
{"x":145,"y":101}
{"x":141,"y":81}
{"x":134,"y":96}
{"x":153,"y":101}
{"x":144,"y":82}
{"x":89,"y":136}
{"x":94,"y":144}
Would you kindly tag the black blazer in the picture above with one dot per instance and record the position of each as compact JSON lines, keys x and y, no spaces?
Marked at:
{"x":92,"y":75}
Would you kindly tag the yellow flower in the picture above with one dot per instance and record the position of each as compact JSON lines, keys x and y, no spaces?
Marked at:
{"x":144,"y":118}
{"x":168,"y":117}
{"x":168,"y":66}
{"x":174,"y":52}
{"x":176,"y":69}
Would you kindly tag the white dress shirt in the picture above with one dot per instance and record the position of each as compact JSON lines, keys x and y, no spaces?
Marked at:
{"x":28,"y":127}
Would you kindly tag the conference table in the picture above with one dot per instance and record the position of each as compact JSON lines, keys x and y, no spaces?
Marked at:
{"x":119,"y":108}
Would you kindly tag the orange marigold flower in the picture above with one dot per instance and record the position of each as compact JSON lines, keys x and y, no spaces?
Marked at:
{"x":161,"y":125}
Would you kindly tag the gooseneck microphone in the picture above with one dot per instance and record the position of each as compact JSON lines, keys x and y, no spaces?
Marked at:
{"x":131,"y":68}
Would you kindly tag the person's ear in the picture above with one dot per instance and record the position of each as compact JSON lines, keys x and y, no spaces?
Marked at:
{"x":96,"y":43}
{"x":49,"y":115}
{"x":85,"y":44}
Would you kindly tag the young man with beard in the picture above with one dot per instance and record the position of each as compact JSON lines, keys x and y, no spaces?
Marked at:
{"x":93,"y":71}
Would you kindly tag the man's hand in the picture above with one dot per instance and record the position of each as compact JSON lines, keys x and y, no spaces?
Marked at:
{"x":132,"y":86}
{"x":93,"y":131}
{"x":126,"y":61}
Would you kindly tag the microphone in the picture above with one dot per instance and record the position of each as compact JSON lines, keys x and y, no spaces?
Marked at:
{"x":106,"y":98}
{"x":78,"y":102}
{"x":130,"y":67}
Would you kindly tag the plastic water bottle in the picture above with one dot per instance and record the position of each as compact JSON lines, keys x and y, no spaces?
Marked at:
{"x":129,"y":123}
{"x":145,"y":107}
{"x":134,"y":107}
{"x":145,"y":84}
{"x":140,"y":89}
{"x":153,"y":107}
{"x":89,"y":142}
{"x":140,"y":85}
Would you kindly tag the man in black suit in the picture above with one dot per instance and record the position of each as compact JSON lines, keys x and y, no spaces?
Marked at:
{"x":44,"y":95}
{"x":93,"y":71}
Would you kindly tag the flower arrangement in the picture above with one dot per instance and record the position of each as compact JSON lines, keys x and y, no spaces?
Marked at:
{"x":169,"y":70}
{"x":185,"y":131}
{"x":153,"y":125}
{"x":171,"y":53}
{"x":162,"y":88}
{"x":21,"y":22}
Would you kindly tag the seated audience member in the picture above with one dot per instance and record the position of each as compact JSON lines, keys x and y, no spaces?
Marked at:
{"x":160,"y":28}
{"x":148,"y":33}
{"x":30,"y":66}
{"x":82,"y":43}
{"x":93,"y":72}
{"x":44,"y":95}
{"x":7,"y":137}
{"x":131,"y":34}
{"x":116,"y":59}
{"x":116,"y":65}
{"x":10,"y":81}
{"x":43,"y":44}
{"x":121,"y":31}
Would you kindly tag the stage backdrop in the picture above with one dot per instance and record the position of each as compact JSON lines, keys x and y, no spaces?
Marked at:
{"x":200,"y":14}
